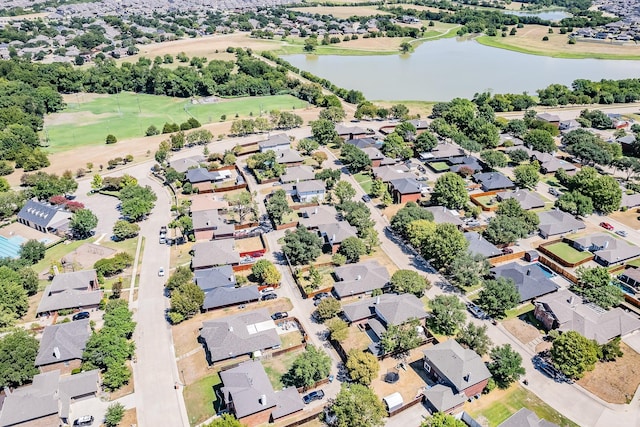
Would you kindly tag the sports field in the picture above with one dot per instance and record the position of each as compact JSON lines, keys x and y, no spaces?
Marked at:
{"x":89,"y":118}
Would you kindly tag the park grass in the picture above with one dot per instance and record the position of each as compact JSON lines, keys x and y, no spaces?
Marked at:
{"x":200,"y":398}
{"x":127,"y":115}
{"x":567,"y":253}
{"x":364,"y":180}
{"x":501,"y":404}
{"x":54,"y":254}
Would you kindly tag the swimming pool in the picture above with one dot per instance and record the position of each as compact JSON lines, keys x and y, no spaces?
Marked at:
{"x":626,"y":289}
{"x":10,"y":248}
{"x":545,"y":270}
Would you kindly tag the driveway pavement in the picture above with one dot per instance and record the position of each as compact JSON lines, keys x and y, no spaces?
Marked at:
{"x":105,"y":207}
{"x":98,"y":407}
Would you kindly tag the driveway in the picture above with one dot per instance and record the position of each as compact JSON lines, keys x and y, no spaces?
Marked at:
{"x":98,"y":407}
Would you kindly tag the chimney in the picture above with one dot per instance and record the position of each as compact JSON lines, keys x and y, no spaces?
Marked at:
{"x":528,"y":272}
{"x":263,"y":400}
{"x":358,"y":277}
{"x":315,"y":210}
{"x":297,"y":180}
{"x":56,"y":352}
{"x":230,"y":328}
{"x":333,"y":237}
{"x":572,"y":300}
{"x":377,"y":300}
{"x":466,"y":377}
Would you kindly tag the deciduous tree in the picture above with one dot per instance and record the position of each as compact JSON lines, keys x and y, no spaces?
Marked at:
{"x":83,"y":222}
{"x":574,"y":354}
{"x":448,"y":314}
{"x":475,"y":338}
{"x":498,"y":296}
{"x":358,"y":406}
{"x":450,"y":191}
{"x":409,"y":281}
{"x":506,"y":365}
{"x":302,"y":246}
{"x":311,"y":366}
{"x":443,"y":245}
{"x":363,"y":367}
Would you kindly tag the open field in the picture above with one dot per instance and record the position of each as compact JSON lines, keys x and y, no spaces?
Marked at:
{"x":127,"y":115}
{"x":567,"y":253}
{"x":421,"y":108}
{"x":343,"y":11}
{"x":499,"y":405}
{"x":529,"y":40}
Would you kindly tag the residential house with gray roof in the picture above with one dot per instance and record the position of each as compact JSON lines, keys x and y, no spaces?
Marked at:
{"x":390,"y":172}
{"x":607,"y":249}
{"x":557,"y":222}
{"x":480,"y":245}
{"x":510,"y":140}
{"x":530,"y":280}
{"x":442,"y":215}
{"x":351,"y":132}
{"x":442,"y":152}
{"x":214,"y":253}
{"x":297,"y":174}
{"x":186,"y":163}
{"x":566,"y":311}
{"x":46,"y":401}
{"x":238,"y":335}
{"x":391,"y":309}
{"x":460,"y":369}
{"x":334,"y":233}
{"x":222,"y":297}
{"x":490,"y":181}
{"x":630,"y":200}
{"x":275,"y":143}
{"x":361,"y":278}
{"x":631,"y":276}
{"x":526,"y":418}
{"x":309,"y":191}
{"x":75,"y":290}
{"x":363,"y":143}
{"x":465,"y":162}
{"x":215,"y":277}
{"x":62,"y":345}
{"x":528,"y":199}
{"x":315,"y":216}
{"x":549,"y":118}
{"x":249,"y":395}
{"x":199,"y":175}
{"x":44,"y":217}
{"x":209,"y":225}
{"x":289,"y":158}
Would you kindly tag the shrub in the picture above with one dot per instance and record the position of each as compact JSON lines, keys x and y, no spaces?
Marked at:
{"x":111,"y":139}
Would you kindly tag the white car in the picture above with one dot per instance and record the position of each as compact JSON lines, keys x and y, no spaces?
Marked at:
{"x":161,"y":272}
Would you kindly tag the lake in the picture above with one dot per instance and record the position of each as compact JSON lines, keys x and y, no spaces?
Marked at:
{"x":444,"y":69}
{"x":550,"y":15}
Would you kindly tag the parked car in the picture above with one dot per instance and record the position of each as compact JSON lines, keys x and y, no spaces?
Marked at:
{"x":554,"y":192}
{"x":507,"y":251}
{"x":85,"y":420}
{"x":366,"y":198}
{"x":280,"y":315}
{"x":319,"y":297}
{"x":314,"y":395}
{"x":81,"y":315}
{"x":606,"y":225}
{"x":161,"y":272}
{"x":621,"y":233}
{"x":476,"y":311}
{"x":267,"y":297}
{"x":267,"y":290}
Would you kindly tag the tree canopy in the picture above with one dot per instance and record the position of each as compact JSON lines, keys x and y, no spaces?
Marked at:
{"x":357,"y":405}
{"x":595,"y":285}
{"x":574,"y":354}
{"x":450,"y":191}
{"x":409,"y":281}
{"x":308,"y":368}
{"x":363,"y":367}
{"x":498,"y":296}
{"x":448,"y":314}
{"x":18,"y":351}
{"x":302,"y":246}
{"x":505,"y":366}
{"x":444,"y":245}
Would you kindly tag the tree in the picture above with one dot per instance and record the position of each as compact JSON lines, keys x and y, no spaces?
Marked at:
{"x":226,"y":420}
{"x":494,"y":159}
{"x":184,"y":223}
{"x":277,"y":206}
{"x":450,"y":191}
{"x":527,"y":176}
{"x":152,"y":130}
{"x":125,"y":230}
{"x":418,"y":231}
{"x":114,"y":414}
{"x":301,"y":246}
{"x":467,"y":270}
{"x":594,"y":284}
{"x":308,"y":368}
{"x":243,"y":204}
{"x":265,"y":272}
{"x":308,"y":146}
{"x":333,"y":113}
{"x":441,"y":419}
{"x":310,"y":44}
{"x":444,"y":245}
{"x":610,"y":351}
{"x":518,"y":155}
{"x":603,"y":190}
{"x":409,"y":281}
{"x":354,"y":158}
{"x":32,"y":251}
{"x":363,"y":367}
{"x":405,"y":47}
{"x":410,"y":212}
{"x":401,"y":337}
{"x":352,"y":247}
{"x":447,"y":314}
{"x":181,"y":276}
{"x":358,"y":406}
{"x":324,"y":131}
{"x":425,"y":142}
{"x":574,"y":354}
{"x":475,"y":338}
{"x":136,"y":202}
{"x":338,"y":329}
{"x":505,"y":366}
{"x":83,"y":222}
{"x":111,"y":139}
{"x":575,"y":203}
{"x":540,"y":140}
{"x":18,"y":351}
{"x":186,"y":301}
{"x":394,"y":146}
{"x":328,"y":308}
{"x":498,"y":296}
{"x":344,"y":191}
{"x":510,"y":223}
{"x":358,"y":215}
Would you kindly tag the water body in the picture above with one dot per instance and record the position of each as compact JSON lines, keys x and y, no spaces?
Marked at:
{"x":444,"y":69}
{"x":551,"y":15}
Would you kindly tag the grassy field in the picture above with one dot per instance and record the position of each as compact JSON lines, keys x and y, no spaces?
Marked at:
{"x":567,"y":253}
{"x":501,"y":404}
{"x":200,"y":399}
{"x":128,"y":115}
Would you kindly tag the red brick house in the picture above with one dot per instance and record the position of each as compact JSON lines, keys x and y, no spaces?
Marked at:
{"x":405,"y":190}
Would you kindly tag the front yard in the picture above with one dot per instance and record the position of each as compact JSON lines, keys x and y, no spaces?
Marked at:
{"x":568,"y":253}
{"x":200,"y":398}
{"x":364,"y":179}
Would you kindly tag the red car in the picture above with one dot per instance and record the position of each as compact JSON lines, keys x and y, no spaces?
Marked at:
{"x":606,"y":225}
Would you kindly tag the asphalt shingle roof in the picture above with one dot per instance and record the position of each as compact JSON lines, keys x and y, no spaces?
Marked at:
{"x":43,"y":214}
{"x":216,"y":277}
{"x":556,"y":222}
{"x":530,"y":281}
{"x":355,"y":279}
{"x":63,"y":342}
{"x":462,"y":367}
{"x":226,"y":296}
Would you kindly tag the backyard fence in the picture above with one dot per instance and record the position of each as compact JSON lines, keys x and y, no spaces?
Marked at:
{"x":558,"y":269}
{"x":543,"y":249}
{"x":506,"y":257}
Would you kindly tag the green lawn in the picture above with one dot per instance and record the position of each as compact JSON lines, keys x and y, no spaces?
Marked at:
{"x":487,"y":201}
{"x":128,"y":115}
{"x":568,"y":253}
{"x":519,"y":311}
{"x":439,"y":166}
{"x":364,"y":179}
{"x":277,"y":366}
{"x":516,"y":398}
{"x":200,"y":399}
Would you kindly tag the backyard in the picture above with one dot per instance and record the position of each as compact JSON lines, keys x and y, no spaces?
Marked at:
{"x":487,"y":202}
{"x":127,"y":115}
{"x":275,"y":367}
{"x":568,"y":253}
{"x":326,"y":279}
{"x":439,"y":166}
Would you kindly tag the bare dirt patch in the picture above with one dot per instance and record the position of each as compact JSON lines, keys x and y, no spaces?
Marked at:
{"x":130,"y":418}
{"x":628,"y":218}
{"x":87,"y":255}
{"x":410,"y":382}
{"x":194,"y":367}
{"x":615,"y":382}
{"x":74,"y":118}
{"x":521,"y":330}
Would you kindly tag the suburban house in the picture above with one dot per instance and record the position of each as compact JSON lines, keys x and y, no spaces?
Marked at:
{"x":199,"y":175}
{"x":553,"y":164}
{"x":248,"y":394}
{"x":289,"y":158}
{"x":528,"y":199}
{"x":566,"y":311}
{"x":374,"y":155}
{"x":607,"y":250}
{"x":309,"y":191}
{"x":209,"y":225}
{"x":391,"y":172}
{"x":549,"y":118}
{"x":420,"y":125}
{"x":184,"y":164}
{"x":219,"y":287}
{"x":461,"y":370}
{"x":630,"y":200}
{"x":442,"y":152}
{"x":530,"y":280}
{"x":311,"y":218}
{"x":627,"y":142}
{"x":406,"y":190}
{"x":361,"y":278}
{"x":297,"y":174}
{"x":376,"y":314}
{"x":363,"y":143}
{"x":46,"y":401}
{"x":569,"y":125}
{"x":275,"y":143}
{"x":214,"y":253}
{"x":238,"y":335}
{"x":510,"y":140}
{"x":631,"y":276}
{"x":333,"y":233}
{"x":62,"y":345}
{"x":441,"y":398}
{"x":351,"y":132}
{"x":557,"y":222}
{"x":208,"y":201}
{"x":466,"y":162}
{"x":75,"y":290}
{"x":526,"y":418}
{"x":442,"y":215}
{"x":480,"y":245}
{"x":490,"y":181}
{"x":45,"y":217}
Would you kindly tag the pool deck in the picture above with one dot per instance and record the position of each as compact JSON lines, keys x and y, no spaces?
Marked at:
{"x":28,"y":233}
